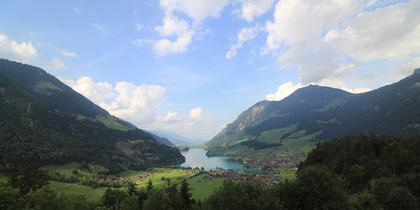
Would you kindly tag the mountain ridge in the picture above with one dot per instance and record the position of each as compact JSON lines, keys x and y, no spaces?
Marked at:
{"x":316,"y":113}
{"x":61,"y":125}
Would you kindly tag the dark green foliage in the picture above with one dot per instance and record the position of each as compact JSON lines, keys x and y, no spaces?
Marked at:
{"x":186,"y":194}
{"x":315,"y":188}
{"x":401,"y":198}
{"x":25,"y":173}
{"x":113,"y":198}
{"x":149,"y":186}
{"x":377,"y":170}
{"x":41,"y":113}
{"x":234,"y":196}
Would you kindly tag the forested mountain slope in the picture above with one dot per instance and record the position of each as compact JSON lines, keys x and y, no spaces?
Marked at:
{"x":39,"y":114}
{"x":315,"y":113}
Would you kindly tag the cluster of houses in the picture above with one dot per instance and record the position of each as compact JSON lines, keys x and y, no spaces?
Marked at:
{"x":262,"y":179}
{"x":281,"y":160}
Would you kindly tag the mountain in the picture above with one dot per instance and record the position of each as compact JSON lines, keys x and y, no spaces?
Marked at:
{"x":162,"y":140}
{"x":314,"y":113}
{"x":42,"y":115}
{"x":178,"y":139}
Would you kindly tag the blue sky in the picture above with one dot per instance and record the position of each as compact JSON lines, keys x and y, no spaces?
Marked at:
{"x":191,"y":66}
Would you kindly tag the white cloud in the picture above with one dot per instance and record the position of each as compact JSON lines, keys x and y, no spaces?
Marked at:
{"x":244,"y":35}
{"x":387,"y":33}
{"x":98,"y":92}
{"x":328,"y":82}
{"x":196,"y":113}
{"x":140,"y":104}
{"x":170,"y":117}
{"x":315,"y":36}
{"x":198,"y":10}
{"x":283,"y":91}
{"x":288,"y":88}
{"x":408,"y":68}
{"x":57,"y":64}
{"x":136,"y":103}
{"x":173,"y":26}
{"x":298,"y":27}
{"x":68,"y":53}
{"x":251,"y":9}
{"x":99,"y":27}
{"x":13,"y":50}
{"x":176,"y":33}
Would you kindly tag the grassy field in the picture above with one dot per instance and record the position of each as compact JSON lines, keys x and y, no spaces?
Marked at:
{"x":66,"y":169}
{"x":92,"y":194}
{"x":287,"y":173}
{"x":158,"y":176}
{"x":203,"y":188}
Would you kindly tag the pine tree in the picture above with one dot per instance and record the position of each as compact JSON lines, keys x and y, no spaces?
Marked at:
{"x":149,"y":186}
{"x":186,"y":194}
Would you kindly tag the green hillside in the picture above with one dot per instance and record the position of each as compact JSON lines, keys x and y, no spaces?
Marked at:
{"x":42,"y":116}
{"x":314,"y":114}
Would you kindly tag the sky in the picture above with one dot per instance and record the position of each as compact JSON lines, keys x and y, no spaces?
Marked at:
{"x":192,"y":66}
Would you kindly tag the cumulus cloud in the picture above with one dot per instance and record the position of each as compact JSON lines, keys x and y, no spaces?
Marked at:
{"x":136,"y":103}
{"x":11,"y":49}
{"x":288,"y":88}
{"x":56,"y":64}
{"x":251,"y":9}
{"x":177,"y":33}
{"x":244,"y":35}
{"x":313,"y":36}
{"x":98,"y":92}
{"x":173,"y":26}
{"x":140,"y":104}
{"x":387,"y":33}
{"x":283,"y":91}
{"x":298,"y":27}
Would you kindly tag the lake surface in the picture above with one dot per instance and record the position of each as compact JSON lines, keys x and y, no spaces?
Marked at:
{"x":197,"y":158}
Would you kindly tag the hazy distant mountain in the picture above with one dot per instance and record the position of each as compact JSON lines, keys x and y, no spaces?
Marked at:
{"x":178,"y":139}
{"x":314,"y":113}
{"x":41,"y":114}
{"x":162,"y":140}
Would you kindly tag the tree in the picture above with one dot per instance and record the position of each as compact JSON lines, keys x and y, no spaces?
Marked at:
{"x":401,"y":198}
{"x":315,"y":188}
{"x":149,"y":186}
{"x":142,"y":196}
{"x":131,"y":188}
{"x":186,"y":194}
{"x":113,"y":198}
{"x":25,"y":173}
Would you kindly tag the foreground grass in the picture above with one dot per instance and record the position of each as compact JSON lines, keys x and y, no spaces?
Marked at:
{"x":287,"y":173}
{"x":202,"y":188}
{"x":159,"y":176}
{"x":67,"y":169}
{"x":91,"y":194}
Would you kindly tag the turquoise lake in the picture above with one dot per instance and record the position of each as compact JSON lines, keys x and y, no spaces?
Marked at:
{"x":197,"y":158}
